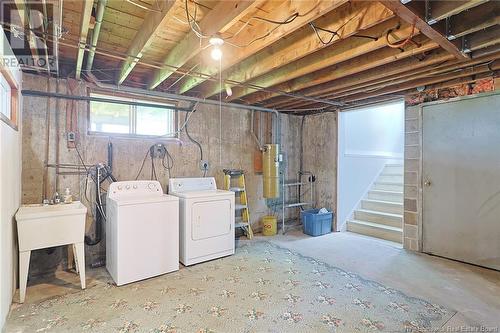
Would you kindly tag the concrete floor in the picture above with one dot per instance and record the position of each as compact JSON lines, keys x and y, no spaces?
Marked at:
{"x":472,"y":291}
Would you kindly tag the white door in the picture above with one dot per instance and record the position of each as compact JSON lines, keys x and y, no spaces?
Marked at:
{"x":461,"y":180}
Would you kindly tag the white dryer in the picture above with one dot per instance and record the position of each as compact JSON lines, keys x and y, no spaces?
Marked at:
{"x":142,"y":231}
{"x":206,"y":217}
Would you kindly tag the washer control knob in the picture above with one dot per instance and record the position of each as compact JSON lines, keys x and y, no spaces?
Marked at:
{"x":119,"y":188}
{"x":127,"y":187}
{"x":151,"y":186}
{"x":135,"y":186}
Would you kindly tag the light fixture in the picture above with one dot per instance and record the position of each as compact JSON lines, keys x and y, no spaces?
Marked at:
{"x":216,"y":53}
{"x":229,"y":91}
{"x":216,"y":41}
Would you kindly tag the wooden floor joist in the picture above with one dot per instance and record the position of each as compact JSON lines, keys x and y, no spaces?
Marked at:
{"x":350,"y":67}
{"x":222,"y":16}
{"x":154,"y":21}
{"x":307,"y":11}
{"x":334,"y":54}
{"x":347,"y":19}
{"x":412,"y":18}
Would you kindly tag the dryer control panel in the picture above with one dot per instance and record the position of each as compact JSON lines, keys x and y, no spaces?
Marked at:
{"x":176,"y":185}
{"x":135,"y":188}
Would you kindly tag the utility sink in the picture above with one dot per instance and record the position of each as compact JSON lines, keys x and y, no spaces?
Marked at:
{"x":43,"y":226}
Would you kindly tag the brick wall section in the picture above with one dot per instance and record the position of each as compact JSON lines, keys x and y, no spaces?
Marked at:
{"x":412,"y":179}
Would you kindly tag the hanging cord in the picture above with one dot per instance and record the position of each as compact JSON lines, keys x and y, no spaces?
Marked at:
{"x":193,"y":140}
{"x":334,"y":33}
{"x":403,"y":43}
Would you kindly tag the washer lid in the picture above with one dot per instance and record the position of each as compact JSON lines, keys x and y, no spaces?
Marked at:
{"x":203,"y":194}
{"x":143,"y":199}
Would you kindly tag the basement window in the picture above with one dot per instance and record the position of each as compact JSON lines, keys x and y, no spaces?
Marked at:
{"x":131,"y":119}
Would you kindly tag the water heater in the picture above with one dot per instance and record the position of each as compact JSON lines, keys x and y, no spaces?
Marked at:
{"x":270,"y":161}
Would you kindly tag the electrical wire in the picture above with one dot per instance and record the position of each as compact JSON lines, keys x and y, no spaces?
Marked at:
{"x":403,"y":43}
{"x":193,"y":140}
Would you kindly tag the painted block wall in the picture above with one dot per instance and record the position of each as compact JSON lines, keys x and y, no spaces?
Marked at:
{"x":237,"y":152}
{"x":10,"y":197}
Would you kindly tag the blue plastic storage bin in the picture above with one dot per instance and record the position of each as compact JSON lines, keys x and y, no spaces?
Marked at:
{"x":315,"y":224}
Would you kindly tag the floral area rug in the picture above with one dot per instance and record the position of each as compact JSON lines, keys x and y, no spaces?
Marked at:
{"x":262,"y":288}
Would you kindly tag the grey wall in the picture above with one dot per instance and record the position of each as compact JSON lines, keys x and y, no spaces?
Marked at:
{"x":320,"y":157}
{"x":237,"y":152}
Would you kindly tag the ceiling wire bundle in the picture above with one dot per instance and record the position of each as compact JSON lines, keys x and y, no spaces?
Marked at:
{"x":195,"y":27}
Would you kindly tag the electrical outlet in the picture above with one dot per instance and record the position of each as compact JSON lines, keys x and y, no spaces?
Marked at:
{"x":71,"y":136}
{"x":204,"y":165}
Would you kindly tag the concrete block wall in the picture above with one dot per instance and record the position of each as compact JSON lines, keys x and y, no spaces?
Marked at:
{"x":237,"y":148}
{"x":412,"y":226}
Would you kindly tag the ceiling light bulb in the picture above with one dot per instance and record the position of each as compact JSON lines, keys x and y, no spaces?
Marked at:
{"x":216,"y":41}
{"x":229,"y":91}
{"x":216,"y":53}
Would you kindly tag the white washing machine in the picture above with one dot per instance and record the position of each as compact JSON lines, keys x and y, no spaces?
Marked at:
{"x":142,"y":231}
{"x":206,"y":217}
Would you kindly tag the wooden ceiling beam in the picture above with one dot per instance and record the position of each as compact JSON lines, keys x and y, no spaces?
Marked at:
{"x":412,"y":18}
{"x":412,"y":75}
{"x":439,"y":10}
{"x":385,"y":72}
{"x":347,"y":20}
{"x":86,"y":13}
{"x":263,"y":35}
{"x":475,"y":19}
{"x":153,"y":23}
{"x":334,"y":54}
{"x":482,"y":39}
{"x":469,"y":71}
{"x":25,"y":24}
{"x":353,"y":66}
{"x":222,"y":16}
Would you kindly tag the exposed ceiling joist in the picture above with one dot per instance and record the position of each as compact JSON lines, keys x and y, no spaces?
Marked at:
{"x":475,"y":19}
{"x":401,"y":79}
{"x":426,"y":81}
{"x":153,"y":22}
{"x":307,"y":12}
{"x":334,"y":54}
{"x":345,"y":21}
{"x":25,"y":23}
{"x":84,"y":29}
{"x":482,"y":39}
{"x":439,"y":9}
{"x":413,"y":18}
{"x":222,"y":16}
{"x":385,"y":72}
{"x":350,"y":67}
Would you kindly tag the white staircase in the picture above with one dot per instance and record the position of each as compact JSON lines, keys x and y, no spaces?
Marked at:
{"x":380,"y":213}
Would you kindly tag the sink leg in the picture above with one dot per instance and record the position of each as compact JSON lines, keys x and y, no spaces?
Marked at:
{"x":75,"y":259}
{"x":24,"y":264}
{"x":80,"y":261}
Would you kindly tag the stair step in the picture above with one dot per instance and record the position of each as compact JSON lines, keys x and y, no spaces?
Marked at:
{"x":382,"y":206}
{"x":387,"y":219}
{"x":391,"y":178}
{"x":385,"y":186}
{"x":392,"y":196}
{"x":398,"y":168}
{"x":375,"y":230}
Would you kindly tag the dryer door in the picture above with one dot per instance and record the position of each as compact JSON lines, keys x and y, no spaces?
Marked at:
{"x":210,"y":219}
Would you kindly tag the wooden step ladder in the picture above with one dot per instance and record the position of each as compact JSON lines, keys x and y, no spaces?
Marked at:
{"x":234,"y":180}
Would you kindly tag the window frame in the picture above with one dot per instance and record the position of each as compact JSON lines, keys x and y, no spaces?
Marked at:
{"x":132,"y":114}
{"x":13,"y":120}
